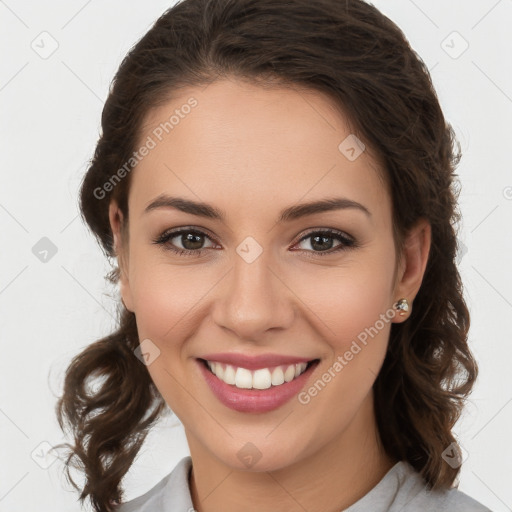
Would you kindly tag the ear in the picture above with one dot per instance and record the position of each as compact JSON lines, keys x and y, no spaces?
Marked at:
{"x":413,"y":263}
{"x":118,"y":227}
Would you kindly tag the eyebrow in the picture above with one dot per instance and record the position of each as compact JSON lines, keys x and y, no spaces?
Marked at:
{"x":286,"y":215}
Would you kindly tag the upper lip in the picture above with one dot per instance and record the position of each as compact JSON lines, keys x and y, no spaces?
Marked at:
{"x":255,"y":362}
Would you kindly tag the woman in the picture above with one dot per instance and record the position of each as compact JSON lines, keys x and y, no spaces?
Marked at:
{"x":276,"y":181}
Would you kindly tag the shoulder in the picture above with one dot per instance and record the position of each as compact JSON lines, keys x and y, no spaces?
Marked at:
{"x":171,"y":493}
{"x":403,"y":489}
{"x":413,"y":495}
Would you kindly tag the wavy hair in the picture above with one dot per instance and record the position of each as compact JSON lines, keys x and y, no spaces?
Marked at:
{"x":351,"y":52}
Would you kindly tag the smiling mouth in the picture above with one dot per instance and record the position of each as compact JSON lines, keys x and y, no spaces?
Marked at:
{"x":262,"y":378}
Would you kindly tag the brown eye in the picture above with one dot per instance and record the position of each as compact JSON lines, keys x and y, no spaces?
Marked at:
{"x":191,"y":241}
{"x":322,"y":242}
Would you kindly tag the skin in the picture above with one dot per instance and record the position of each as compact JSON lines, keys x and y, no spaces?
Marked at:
{"x":251,"y":152}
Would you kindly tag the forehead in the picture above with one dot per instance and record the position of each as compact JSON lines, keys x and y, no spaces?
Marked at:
{"x":233,"y":139}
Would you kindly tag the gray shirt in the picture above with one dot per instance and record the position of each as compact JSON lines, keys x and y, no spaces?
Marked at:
{"x":401,"y":490}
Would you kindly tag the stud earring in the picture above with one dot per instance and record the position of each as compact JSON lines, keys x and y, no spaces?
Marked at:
{"x":402,"y":306}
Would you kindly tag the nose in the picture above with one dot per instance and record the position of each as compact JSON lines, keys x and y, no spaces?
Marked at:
{"x":253,"y":299}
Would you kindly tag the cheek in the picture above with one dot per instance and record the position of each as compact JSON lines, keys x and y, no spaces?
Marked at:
{"x":351,"y":297}
{"x":353,"y":314}
{"x":166,"y":296}
{"x":359,"y":309}
{"x":355,"y":311}
{"x":167,"y":299}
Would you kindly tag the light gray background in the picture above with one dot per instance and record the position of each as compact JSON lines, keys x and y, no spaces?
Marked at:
{"x":51,"y":309}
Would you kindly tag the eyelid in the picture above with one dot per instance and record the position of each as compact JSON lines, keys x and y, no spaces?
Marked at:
{"x":347,"y":241}
{"x":171,"y":232}
{"x":330,"y":231}
{"x":193,"y":229}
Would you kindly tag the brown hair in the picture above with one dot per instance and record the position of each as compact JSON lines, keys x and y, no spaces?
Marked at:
{"x":353,"y":53}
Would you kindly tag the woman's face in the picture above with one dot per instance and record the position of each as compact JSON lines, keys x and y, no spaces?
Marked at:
{"x":257,"y":282}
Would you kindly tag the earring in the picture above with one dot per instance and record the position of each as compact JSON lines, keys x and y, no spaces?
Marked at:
{"x":403,"y":306}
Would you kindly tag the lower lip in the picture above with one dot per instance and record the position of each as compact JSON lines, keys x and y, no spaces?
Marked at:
{"x":255,"y":400}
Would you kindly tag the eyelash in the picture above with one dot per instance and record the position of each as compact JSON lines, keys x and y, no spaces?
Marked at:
{"x":347,"y":242}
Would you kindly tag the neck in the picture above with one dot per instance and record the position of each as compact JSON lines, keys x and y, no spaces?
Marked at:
{"x":331,"y":479}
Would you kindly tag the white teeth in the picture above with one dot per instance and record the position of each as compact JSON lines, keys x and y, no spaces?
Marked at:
{"x":277,"y":376}
{"x":243,"y":378}
{"x":229,"y":375}
{"x":262,"y":378}
{"x":289,"y":374}
{"x":219,"y":370}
